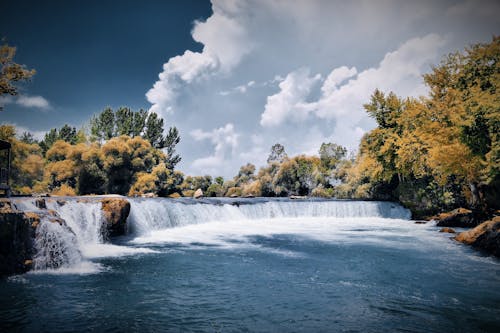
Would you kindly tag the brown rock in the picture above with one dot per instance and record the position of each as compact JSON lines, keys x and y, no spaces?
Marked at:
{"x":115,"y":212}
{"x":40,"y":203}
{"x":485,"y":236}
{"x":16,"y":243}
{"x":459,"y":217}
{"x":32,"y":217}
{"x":6,"y":206}
{"x":198,"y":194}
{"x":448,"y":230}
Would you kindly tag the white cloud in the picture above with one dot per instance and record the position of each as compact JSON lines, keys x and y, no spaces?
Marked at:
{"x":225,"y":43}
{"x":336,"y":77}
{"x":38,"y":135}
{"x":289,"y":103}
{"x":224,"y":140}
{"x":298,"y":72}
{"x":33,"y":102}
{"x":400,"y":71}
{"x":36,"y":102}
{"x":242,"y":89}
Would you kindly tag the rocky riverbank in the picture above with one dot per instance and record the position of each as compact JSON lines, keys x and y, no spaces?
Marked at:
{"x":485,"y":236}
{"x":484,"y":233}
{"x":18,"y":228}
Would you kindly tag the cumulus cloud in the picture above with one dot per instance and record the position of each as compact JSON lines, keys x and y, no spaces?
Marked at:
{"x":308,"y":67}
{"x":225,"y":43}
{"x":344,"y":91}
{"x":36,"y":102}
{"x":289,"y":103}
{"x":224,"y":140}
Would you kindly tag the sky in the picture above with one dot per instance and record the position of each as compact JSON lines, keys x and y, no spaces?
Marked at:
{"x":234,"y":76}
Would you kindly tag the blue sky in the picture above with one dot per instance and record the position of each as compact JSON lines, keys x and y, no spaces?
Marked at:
{"x":234,"y":76}
{"x":90,"y":54}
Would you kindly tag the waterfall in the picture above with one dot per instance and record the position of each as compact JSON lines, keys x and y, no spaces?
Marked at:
{"x":64,"y":245}
{"x":54,"y":245}
{"x":70,"y":233}
{"x":155,"y":214}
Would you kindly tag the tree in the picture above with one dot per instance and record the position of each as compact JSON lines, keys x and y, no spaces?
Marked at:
{"x":170,"y":143}
{"x":154,"y":130}
{"x":11,"y":72}
{"x":28,"y":138}
{"x":245,"y":175}
{"x":107,"y":124}
{"x":139,"y":122}
{"x":49,"y":139}
{"x":331,"y":154}
{"x":277,"y":154}
{"x":219,"y":180}
{"x":298,"y":175}
{"x":124,"y":118}
{"x":68,"y":134}
{"x":27,"y":161}
{"x":385,"y":110}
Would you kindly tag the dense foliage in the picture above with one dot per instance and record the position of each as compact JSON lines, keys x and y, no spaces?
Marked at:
{"x":114,"y":157}
{"x":439,"y":151}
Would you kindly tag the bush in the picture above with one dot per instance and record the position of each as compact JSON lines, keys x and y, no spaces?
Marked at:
{"x":234,"y":191}
{"x":64,"y":190}
{"x":321,"y":192}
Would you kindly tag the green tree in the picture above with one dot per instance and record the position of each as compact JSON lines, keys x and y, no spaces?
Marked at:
{"x":331,"y":154}
{"x":154,"y":130}
{"x":170,"y":143}
{"x":124,"y":119}
{"x":28,"y":138}
{"x":49,"y":139}
{"x":277,"y":154}
{"x":68,"y":134}
{"x":139,"y":122}
{"x":245,"y":175}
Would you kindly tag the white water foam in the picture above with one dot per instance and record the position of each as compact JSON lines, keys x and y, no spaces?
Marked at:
{"x":240,"y":233}
{"x":230,"y":226}
{"x":54,"y":244}
{"x":86,"y":221}
{"x":150,"y":215}
{"x":71,"y":247}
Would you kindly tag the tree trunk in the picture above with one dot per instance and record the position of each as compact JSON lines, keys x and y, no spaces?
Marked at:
{"x":475,"y":199}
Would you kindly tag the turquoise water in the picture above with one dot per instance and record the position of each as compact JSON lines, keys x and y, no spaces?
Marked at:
{"x":273,"y":274}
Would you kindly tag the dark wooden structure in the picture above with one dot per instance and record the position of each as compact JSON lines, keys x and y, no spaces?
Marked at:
{"x":5,"y":152}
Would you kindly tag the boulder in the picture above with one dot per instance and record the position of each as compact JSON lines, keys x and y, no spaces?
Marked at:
{"x":459,"y":217}
{"x":485,"y":236}
{"x":6,"y":206}
{"x":40,"y":203}
{"x":448,"y":230}
{"x":115,"y":212}
{"x":16,"y":242}
{"x":198,"y":194}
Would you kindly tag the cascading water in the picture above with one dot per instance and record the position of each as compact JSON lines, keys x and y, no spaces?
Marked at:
{"x":79,"y":238}
{"x":147,"y":215}
{"x":54,"y":245}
